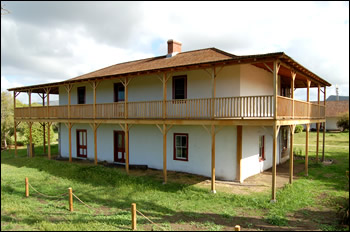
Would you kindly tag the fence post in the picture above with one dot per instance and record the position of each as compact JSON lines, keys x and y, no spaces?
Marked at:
{"x":27,"y":187}
{"x":133,"y":216}
{"x":237,"y":228}
{"x":70,"y":193}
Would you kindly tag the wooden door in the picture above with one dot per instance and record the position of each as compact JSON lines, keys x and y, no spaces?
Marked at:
{"x":82,"y":143}
{"x":119,"y":146}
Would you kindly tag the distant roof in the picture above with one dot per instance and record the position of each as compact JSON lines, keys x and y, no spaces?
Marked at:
{"x":185,"y":60}
{"x":335,"y":108}
{"x":334,"y":98}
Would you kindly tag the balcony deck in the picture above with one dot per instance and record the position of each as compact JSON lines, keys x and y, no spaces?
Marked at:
{"x":248,"y":107}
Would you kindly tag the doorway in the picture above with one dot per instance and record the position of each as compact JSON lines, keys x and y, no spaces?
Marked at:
{"x":119,"y":146}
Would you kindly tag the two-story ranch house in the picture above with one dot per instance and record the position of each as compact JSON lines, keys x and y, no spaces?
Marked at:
{"x":206,"y":112}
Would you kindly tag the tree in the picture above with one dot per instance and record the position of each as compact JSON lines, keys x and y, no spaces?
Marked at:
{"x":7,"y":120}
{"x":343,"y":122}
{"x":37,"y":134}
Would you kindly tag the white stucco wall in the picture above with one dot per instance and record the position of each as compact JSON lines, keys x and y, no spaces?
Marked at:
{"x":255,"y":81}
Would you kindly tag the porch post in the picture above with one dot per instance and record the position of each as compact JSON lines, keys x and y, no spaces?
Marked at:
{"x":291,"y":155}
{"x":213,"y":159}
{"x":95,"y":142}
{"x":317,"y":140}
{"x":14,"y":121}
{"x":164,"y":154}
{"x":307,"y":150}
{"x":127,"y":147}
{"x":324,"y":124}
{"x":15,"y":133}
{"x":164,"y":95}
{"x":30,"y":139}
{"x":48,"y":140}
{"x":308,"y":97}
{"x":274,"y":157}
{"x":44,"y":136}
{"x":239,"y":154}
{"x":70,"y":141}
{"x":292,"y":90}
{"x":213,"y":84}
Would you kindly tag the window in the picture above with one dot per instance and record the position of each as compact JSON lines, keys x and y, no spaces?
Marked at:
{"x":119,"y":92}
{"x":180,"y":87}
{"x":181,"y":147}
{"x":261,"y":148}
{"x":81,"y":95}
{"x":81,"y":143}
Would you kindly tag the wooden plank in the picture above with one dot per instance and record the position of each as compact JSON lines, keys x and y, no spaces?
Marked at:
{"x":239,"y":154}
{"x":213,"y":159}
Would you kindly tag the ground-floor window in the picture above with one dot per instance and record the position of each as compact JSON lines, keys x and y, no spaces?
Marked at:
{"x":261,"y":148}
{"x":181,"y":147}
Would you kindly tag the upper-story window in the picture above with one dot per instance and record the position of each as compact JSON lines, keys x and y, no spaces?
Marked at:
{"x":81,"y":95}
{"x":119,"y":92}
{"x":180,"y":87}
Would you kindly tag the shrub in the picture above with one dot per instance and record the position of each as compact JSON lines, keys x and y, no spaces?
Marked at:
{"x":298,"y":129}
{"x":343,"y":122}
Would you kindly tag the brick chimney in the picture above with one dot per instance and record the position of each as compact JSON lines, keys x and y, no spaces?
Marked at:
{"x":174,"y":47}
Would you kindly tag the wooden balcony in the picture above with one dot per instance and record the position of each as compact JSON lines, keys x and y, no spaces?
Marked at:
{"x":259,"y":107}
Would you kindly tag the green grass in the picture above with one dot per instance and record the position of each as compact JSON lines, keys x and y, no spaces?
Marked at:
{"x":110,"y":192}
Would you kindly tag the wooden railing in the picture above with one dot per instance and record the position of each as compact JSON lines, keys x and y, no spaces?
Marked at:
{"x":203,"y":108}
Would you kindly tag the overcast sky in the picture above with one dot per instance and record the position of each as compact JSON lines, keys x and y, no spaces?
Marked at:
{"x":44,"y":42}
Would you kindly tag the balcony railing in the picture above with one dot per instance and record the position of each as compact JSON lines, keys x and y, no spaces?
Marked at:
{"x":203,"y":108}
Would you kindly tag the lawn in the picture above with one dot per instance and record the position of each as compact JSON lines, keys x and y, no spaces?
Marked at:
{"x":310,"y":203}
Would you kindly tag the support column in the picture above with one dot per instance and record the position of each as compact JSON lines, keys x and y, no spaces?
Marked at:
{"x":317,"y":140}
{"x":164,"y":155}
{"x":307,"y":150}
{"x":127,"y":147}
{"x":69,"y":88}
{"x":213,"y":84}
{"x":292,"y":90}
{"x":291,"y":155}
{"x":95,"y":142}
{"x":48,"y":140}
{"x":276,"y":67}
{"x":15,"y":133}
{"x":70,"y":141}
{"x":239,"y":154}
{"x":308,"y":97}
{"x":274,"y":160}
{"x":324,"y":125}
{"x":15,"y":94}
{"x":30,"y":139}
{"x":213,"y":159}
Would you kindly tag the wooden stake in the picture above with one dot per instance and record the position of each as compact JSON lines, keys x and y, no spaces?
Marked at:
{"x":237,"y":228}
{"x":213,"y":159}
{"x":307,"y":150}
{"x":27,"y":187}
{"x":133,"y":216}
{"x":239,"y":154}
{"x":70,"y":193}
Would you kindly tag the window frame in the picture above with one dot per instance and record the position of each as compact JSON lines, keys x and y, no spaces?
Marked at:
{"x":185,"y":86}
{"x":78,"y":89}
{"x":176,"y":158}
{"x":78,"y":143}
{"x":116,"y":92}
{"x":262,"y":157}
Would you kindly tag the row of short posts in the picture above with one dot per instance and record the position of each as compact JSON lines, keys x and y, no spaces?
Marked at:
{"x":70,"y":195}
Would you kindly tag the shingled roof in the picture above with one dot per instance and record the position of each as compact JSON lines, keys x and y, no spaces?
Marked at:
{"x":335,"y":108}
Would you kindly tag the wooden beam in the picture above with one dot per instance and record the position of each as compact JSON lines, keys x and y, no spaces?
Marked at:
{"x":317,"y":140}
{"x":268,"y":67}
{"x":48,"y":140}
{"x":275,"y":87}
{"x":95,"y":142}
{"x":308,"y":97}
{"x":164,"y":94}
{"x":15,"y":133}
{"x":293,"y":74}
{"x":30,"y":139}
{"x":291,"y":154}
{"x":213,"y":159}
{"x":70,"y":141}
{"x":239,"y":154}
{"x":307,"y":150}
{"x":323,"y":141}
{"x":126,"y":97}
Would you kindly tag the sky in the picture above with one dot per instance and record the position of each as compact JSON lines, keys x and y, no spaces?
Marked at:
{"x":43,"y":42}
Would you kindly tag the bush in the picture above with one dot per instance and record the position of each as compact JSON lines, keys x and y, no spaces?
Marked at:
{"x":298,"y":129}
{"x":343,"y":122}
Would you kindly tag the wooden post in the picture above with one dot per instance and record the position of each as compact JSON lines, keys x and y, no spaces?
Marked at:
{"x":95,"y":142}
{"x":127,"y":147}
{"x":318,"y":101}
{"x":126,"y":98}
{"x":48,"y":102}
{"x":164,"y":94}
{"x":237,"y":228}
{"x":15,"y":123}
{"x":274,"y":157}
{"x":239,"y":154}
{"x":291,"y":155}
{"x":27,"y":187}
{"x":276,"y":67}
{"x":213,"y":159}
{"x":15,"y":133}
{"x":133,"y":216}
{"x":292,"y":90}
{"x":70,"y":193}
{"x":323,"y":141}
{"x":213,"y":82}
{"x":30,"y":139}
{"x":308,"y":97}
{"x":164,"y":154}
{"x":48,"y":140}
{"x":44,"y":136}
{"x":30,"y":102}
{"x":69,"y":88}
{"x":70,"y":141}
{"x":317,"y":140}
{"x":307,"y":150}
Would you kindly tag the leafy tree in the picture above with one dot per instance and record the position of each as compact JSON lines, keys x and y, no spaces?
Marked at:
{"x":37,"y":134}
{"x":343,"y":122}
{"x":298,"y":129}
{"x":7,"y":120}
